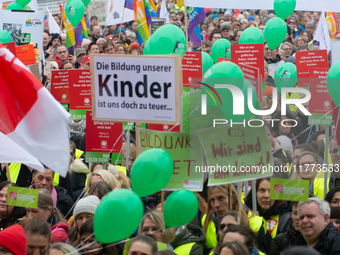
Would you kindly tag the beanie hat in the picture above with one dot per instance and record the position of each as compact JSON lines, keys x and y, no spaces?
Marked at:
{"x":250,"y":17}
{"x":227,"y":13}
{"x":85,"y":42}
{"x":214,"y":16}
{"x":309,"y":24}
{"x":13,"y":239}
{"x":88,"y":204}
{"x":121,"y":29}
{"x":239,"y":17}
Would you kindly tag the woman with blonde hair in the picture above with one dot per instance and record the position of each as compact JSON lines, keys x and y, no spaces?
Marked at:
{"x":56,"y":248}
{"x":153,"y":225}
{"x":124,"y":181}
{"x":102,"y":176}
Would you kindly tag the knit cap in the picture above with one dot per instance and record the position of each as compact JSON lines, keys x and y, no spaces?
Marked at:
{"x":13,"y":239}
{"x":214,"y":16}
{"x":87,"y":204}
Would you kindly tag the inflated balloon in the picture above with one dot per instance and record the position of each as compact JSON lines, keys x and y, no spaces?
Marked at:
{"x":108,"y":222}
{"x":251,"y":35}
{"x":220,"y":48}
{"x":180,"y":208}
{"x":275,"y":32}
{"x":14,"y":6}
{"x":152,"y":170}
{"x":285,"y":76}
{"x":207,"y":62}
{"x":27,"y":8}
{"x":5,"y":36}
{"x":86,"y":2}
{"x":333,"y":81}
{"x":75,"y":11}
{"x":222,"y":73}
{"x":168,"y":39}
{"x":23,"y":3}
{"x":284,"y":8}
{"x":146,"y":49}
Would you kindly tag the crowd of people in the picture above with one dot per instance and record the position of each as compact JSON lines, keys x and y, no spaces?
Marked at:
{"x":62,"y":223}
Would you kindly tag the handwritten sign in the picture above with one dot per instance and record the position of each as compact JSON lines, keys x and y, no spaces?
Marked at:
{"x":26,"y":54}
{"x":236,"y":153}
{"x":185,"y":152}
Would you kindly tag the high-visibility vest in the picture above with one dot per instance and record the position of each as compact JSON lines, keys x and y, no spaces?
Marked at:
{"x":255,"y":222}
{"x":14,"y":170}
{"x":210,"y":234}
{"x":184,"y":249}
{"x":272,"y":225}
{"x":293,"y":95}
{"x":121,"y":169}
{"x":79,"y":153}
{"x":319,"y":184}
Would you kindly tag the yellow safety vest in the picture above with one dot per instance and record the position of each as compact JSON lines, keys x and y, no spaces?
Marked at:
{"x":78,"y":153}
{"x":14,"y":170}
{"x":210,"y":234}
{"x":287,"y":164}
{"x":319,"y":184}
{"x":293,"y":95}
{"x":272,"y":225}
{"x":121,"y":169}
{"x":184,"y":249}
{"x":260,"y":252}
{"x":255,"y":221}
{"x":326,"y":150}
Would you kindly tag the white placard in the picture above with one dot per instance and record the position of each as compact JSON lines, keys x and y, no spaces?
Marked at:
{"x":335,"y":51}
{"x":136,"y":88}
{"x":301,"y":5}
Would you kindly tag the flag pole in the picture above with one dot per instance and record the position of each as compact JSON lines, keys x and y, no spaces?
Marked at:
{"x":121,"y":23}
{"x":186,"y":25}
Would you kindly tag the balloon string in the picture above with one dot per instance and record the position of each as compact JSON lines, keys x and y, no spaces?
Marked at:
{"x":84,"y":240}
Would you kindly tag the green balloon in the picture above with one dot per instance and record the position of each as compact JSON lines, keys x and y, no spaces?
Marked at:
{"x":285,"y":76}
{"x":222,"y":73}
{"x":75,"y":11}
{"x":146,"y":49}
{"x":180,"y":208}
{"x":152,"y":170}
{"x":14,"y":6}
{"x":27,"y":8}
{"x":5,"y":36}
{"x":207,"y":62}
{"x":86,"y":2}
{"x":220,"y":48}
{"x":284,"y":8}
{"x":23,"y":3}
{"x":333,"y":81}
{"x":275,"y":32}
{"x":115,"y":206}
{"x":168,"y":39}
{"x":251,"y":35}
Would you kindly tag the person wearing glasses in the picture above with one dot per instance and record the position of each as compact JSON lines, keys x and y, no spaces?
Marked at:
{"x":288,"y":49}
{"x":108,"y":48}
{"x":120,"y":49}
{"x":215,"y":35}
{"x":272,"y":58}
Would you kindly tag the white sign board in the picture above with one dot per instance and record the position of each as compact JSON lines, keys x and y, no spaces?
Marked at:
{"x":97,"y":8}
{"x":301,"y":5}
{"x":335,"y":51}
{"x":136,"y":88}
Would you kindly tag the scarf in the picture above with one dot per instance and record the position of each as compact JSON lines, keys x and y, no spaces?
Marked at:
{"x":53,"y":193}
{"x":217,"y":220}
{"x":76,"y":128}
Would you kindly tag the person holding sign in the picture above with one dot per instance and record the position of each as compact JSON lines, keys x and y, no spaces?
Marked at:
{"x":276,"y":213}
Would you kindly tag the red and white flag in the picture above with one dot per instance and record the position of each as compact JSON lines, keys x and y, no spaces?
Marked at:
{"x":30,"y":116}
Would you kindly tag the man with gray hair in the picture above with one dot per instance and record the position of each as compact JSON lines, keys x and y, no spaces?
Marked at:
{"x":316,"y":229}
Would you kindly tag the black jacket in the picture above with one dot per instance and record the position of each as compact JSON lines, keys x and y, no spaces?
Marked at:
{"x":17,"y":213}
{"x":284,"y":240}
{"x":191,"y":234}
{"x":78,"y":177}
{"x":329,"y":242}
{"x":64,"y":202}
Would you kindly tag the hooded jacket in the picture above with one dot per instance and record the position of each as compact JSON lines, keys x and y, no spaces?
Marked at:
{"x":79,"y":172}
{"x":329,"y":241}
{"x":189,"y":234}
{"x":284,"y":240}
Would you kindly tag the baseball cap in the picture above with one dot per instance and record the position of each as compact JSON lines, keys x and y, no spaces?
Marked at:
{"x":109,"y":37}
{"x":226,"y":25}
{"x":80,"y":51}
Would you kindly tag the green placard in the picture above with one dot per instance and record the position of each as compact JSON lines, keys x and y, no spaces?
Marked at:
{"x":78,"y":114}
{"x":236,"y":154}
{"x":320,"y":119}
{"x":185,"y":152}
{"x":102,"y":157}
{"x":25,"y":38}
{"x":66,"y":107}
{"x":22,"y":197}
{"x":289,"y":189}
{"x":128,"y":126}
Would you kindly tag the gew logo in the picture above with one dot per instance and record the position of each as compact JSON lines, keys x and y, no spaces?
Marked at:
{"x":238,"y":99}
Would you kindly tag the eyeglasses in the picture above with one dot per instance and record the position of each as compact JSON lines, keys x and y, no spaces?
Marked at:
{"x":108,"y":50}
{"x":286,"y":49}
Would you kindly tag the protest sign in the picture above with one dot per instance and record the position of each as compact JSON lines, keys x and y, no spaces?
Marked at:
{"x":289,"y":189}
{"x":320,"y":104}
{"x":306,"y":60}
{"x":22,"y":197}
{"x":136,"y":88}
{"x":185,"y":152}
{"x":60,"y":85}
{"x":52,"y":5}
{"x":80,"y":93}
{"x":26,"y":54}
{"x":25,"y":29}
{"x":335,"y":53}
{"x":236,"y":154}
{"x":97,"y":8}
{"x":103,"y":140}
{"x":191,"y":68}
{"x":11,"y":47}
{"x":35,"y":70}
{"x":164,"y":127}
{"x":250,"y":59}
{"x":156,"y":23}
